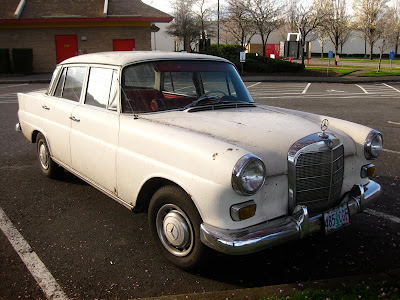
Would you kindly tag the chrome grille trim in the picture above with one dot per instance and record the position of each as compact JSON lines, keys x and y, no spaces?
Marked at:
{"x":315,"y":172}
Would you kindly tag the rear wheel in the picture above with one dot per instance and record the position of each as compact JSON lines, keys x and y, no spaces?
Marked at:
{"x":47,"y":165}
{"x":175,"y":227}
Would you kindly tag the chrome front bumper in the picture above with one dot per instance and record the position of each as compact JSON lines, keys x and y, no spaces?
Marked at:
{"x":296,"y":226}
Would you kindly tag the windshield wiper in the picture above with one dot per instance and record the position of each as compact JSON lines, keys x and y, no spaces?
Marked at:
{"x":201,"y":99}
{"x":211,"y":100}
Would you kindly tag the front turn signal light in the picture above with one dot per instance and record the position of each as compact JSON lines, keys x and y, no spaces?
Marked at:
{"x":367,"y":170}
{"x":243,"y":210}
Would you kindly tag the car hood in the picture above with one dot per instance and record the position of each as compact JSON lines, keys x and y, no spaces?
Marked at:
{"x":265,"y":131}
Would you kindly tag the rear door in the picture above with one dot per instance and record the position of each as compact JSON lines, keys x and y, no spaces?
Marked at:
{"x":94,"y":129}
{"x":58,"y":109}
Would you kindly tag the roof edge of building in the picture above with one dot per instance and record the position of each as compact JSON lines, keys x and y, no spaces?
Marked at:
{"x":107,"y":19}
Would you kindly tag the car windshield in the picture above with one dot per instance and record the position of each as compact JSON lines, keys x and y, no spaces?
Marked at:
{"x":171,"y":85}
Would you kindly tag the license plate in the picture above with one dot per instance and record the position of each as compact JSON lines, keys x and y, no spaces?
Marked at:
{"x":336,"y":218}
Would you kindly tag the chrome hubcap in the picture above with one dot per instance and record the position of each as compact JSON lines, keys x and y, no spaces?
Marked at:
{"x":174,"y":230}
{"x":43,"y":156}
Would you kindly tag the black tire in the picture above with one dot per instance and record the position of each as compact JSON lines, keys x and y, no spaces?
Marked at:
{"x":175,"y":227}
{"x":47,"y":165}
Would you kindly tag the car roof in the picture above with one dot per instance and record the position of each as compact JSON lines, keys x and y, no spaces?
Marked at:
{"x":122,"y":58}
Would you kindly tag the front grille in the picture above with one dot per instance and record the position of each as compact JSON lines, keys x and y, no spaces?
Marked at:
{"x":315,"y":171}
{"x":319,"y":178}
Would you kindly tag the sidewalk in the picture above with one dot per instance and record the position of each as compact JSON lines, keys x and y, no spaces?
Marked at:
{"x":20,"y":79}
{"x":350,"y":78}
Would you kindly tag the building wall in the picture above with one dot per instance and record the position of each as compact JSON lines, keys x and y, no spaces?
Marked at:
{"x":161,"y":40}
{"x":42,"y":41}
{"x":354,"y":45}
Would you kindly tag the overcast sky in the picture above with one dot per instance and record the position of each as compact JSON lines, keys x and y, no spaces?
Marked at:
{"x":163,"y":5}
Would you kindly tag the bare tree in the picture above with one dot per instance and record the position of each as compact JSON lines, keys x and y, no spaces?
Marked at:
{"x":397,"y":20}
{"x":265,"y":15}
{"x":239,"y":22}
{"x":344,"y":37}
{"x":289,"y":24}
{"x":337,"y":22}
{"x":185,"y":25}
{"x":204,"y":14}
{"x":388,"y":35}
{"x":308,"y":17}
{"x":322,"y":37}
{"x":368,"y":16}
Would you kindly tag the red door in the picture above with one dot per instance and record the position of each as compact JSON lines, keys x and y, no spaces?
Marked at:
{"x":123,"y":45}
{"x":66,"y":47}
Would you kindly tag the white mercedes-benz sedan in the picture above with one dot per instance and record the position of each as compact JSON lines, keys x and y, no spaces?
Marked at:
{"x":178,"y":135}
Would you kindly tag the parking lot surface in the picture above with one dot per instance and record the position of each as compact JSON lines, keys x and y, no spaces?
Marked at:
{"x":94,"y":247}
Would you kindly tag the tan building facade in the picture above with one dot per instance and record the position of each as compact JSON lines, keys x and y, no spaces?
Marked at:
{"x":58,"y":29}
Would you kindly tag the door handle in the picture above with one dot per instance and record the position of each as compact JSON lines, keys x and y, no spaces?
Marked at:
{"x":46,"y":107}
{"x":74,"y":119}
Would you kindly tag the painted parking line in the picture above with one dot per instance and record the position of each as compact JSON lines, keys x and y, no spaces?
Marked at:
{"x":382,"y":215}
{"x":14,"y":85}
{"x":253,"y":85}
{"x":43,"y":277}
{"x":306,"y":88}
{"x":391,"y":151}
{"x":389,"y":86}
{"x":395,"y":123}
{"x":364,"y":90}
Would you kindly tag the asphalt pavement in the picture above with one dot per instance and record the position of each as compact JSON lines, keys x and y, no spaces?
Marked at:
{"x":258,"y":292}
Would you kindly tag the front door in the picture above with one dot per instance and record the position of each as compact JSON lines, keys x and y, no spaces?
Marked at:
{"x":66,"y":47}
{"x":123,"y":45}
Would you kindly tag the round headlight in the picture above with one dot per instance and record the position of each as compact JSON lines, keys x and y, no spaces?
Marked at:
{"x":248,"y":175}
{"x":373,"y":145}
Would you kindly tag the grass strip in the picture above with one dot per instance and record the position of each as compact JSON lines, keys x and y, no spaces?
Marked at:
{"x":338,"y":71}
{"x":379,"y":74}
{"x":385,"y":290}
{"x":366,"y":60}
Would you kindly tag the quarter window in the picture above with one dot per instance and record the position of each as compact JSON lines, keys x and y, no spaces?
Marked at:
{"x":60,"y":85}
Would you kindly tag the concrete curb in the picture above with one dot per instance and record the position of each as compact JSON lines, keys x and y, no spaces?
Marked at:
{"x":284,"y":290}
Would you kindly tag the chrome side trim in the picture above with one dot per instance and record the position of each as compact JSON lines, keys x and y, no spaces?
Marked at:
{"x":94,"y":184}
{"x":278,"y":231}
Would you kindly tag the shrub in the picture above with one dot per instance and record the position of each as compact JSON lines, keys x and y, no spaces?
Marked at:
{"x":254,"y":63}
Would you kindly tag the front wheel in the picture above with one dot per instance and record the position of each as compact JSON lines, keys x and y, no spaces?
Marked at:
{"x":47,"y":165}
{"x":175,"y":227}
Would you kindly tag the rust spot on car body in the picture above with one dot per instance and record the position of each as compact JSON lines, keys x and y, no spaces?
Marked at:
{"x":215,"y":155}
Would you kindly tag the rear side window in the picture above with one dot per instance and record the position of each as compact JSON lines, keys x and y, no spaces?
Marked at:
{"x":70,"y":83}
{"x":60,"y":84}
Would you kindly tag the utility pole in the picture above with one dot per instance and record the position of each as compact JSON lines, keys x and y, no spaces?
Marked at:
{"x":218,"y":24}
